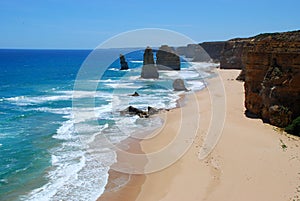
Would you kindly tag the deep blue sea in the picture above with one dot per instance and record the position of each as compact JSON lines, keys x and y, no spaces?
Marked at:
{"x":49,"y":154}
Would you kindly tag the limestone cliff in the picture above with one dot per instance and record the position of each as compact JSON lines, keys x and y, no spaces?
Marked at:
{"x":213,"y":49}
{"x":231,"y":55}
{"x":272,"y":77}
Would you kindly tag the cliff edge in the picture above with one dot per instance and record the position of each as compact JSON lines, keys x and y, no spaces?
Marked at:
{"x":272,"y":77}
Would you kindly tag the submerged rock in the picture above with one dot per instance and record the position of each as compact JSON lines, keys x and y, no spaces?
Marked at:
{"x":135,"y":94}
{"x":178,"y":85}
{"x":124,"y":65}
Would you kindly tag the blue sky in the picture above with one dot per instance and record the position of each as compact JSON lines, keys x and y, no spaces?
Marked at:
{"x":78,"y":24}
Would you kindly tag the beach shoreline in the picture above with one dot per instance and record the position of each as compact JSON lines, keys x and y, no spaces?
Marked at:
{"x":248,"y":162}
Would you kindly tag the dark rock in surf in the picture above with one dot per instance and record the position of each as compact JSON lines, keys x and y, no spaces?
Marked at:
{"x":135,"y":94}
{"x":134,"y":111}
{"x":124,"y":65}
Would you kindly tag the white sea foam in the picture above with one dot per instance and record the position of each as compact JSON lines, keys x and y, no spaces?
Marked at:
{"x":123,"y":85}
{"x":195,"y":85}
{"x":65,"y":111}
{"x":25,"y":100}
{"x":203,"y":66}
{"x":63,"y":95}
{"x":117,"y":69}
{"x":76,"y":171}
{"x":97,"y":81}
{"x":139,"y":62}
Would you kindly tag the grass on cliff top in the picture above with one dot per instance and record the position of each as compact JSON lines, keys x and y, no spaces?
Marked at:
{"x":294,"y":127}
{"x":281,"y":36}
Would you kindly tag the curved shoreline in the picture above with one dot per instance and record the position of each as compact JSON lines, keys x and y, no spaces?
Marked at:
{"x":116,"y":189}
{"x":248,"y":162}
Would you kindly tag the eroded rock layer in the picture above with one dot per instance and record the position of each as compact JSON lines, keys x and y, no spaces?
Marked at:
{"x":272,"y":77}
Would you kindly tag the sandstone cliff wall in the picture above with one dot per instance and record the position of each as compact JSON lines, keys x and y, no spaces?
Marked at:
{"x":231,"y":55}
{"x":272,"y":77}
{"x":214,"y":49}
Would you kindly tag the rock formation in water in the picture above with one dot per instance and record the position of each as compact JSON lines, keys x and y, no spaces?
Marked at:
{"x":142,"y":114}
{"x":134,"y":111}
{"x":124,"y":65}
{"x":135,"y":94}
{"x":272,"y":77}
{"x":178,"y":85}
{"x":149,"y":69}
{"x":167,"y":59}
{"x":148,"y":57}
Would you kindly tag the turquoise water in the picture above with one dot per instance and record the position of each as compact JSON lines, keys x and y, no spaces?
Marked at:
{"x":47,"y":154}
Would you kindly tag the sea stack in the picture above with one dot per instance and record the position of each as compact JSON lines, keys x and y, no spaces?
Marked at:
{"x":167,"y":59}
{"x":124,"y":65}
{"x":149,"y":70}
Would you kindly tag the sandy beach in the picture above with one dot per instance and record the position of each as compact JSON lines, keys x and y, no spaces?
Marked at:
{"x":251,"y":160}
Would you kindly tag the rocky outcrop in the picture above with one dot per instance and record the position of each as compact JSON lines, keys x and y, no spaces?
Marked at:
{"x":167,"y":59}
{"x":214,"y":49}
{"x":178,"y":85}
{"x":195,"y":52}
{"x":142,"y":114}
{"x":124,"y":65}
{"x":272,"y":77}
{"x":149,"y":69}
{"x":232,"y":53}
{"x":134,"y":111}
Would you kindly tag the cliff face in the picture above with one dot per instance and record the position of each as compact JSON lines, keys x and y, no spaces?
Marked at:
{"x":232,"y":53}
{"x":214,"y":49}
{"x":272,"y":77}
{"x":196,"y":52}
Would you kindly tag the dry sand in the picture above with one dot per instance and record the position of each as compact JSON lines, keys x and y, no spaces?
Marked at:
{"x":249,"y":162}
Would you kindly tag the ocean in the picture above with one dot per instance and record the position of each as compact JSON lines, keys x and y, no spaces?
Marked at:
{"x":48,"y":154}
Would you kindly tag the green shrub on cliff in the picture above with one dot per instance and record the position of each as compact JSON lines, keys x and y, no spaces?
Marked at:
{"x":294,"y":127}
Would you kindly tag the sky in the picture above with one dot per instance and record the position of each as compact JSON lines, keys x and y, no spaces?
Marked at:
{"x":78,"y":24}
